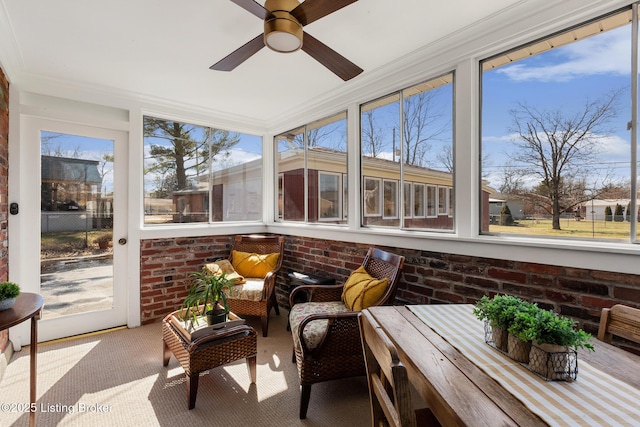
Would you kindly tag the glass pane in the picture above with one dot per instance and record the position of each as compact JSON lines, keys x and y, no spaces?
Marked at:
{"x":390,"y":197}
{"x":176,"y":179}
{"x":326,"y":167}
{"x":428,"y":143}
{"x":291,"y":175}
{"x":407,"y":197}
{"x":77,"y":193}
{"x":418,"y":200}
{"x":329,"y":190}
{"x":380,"y":139}
{"x":199,"y":174}
{"x":432,"y":201}
{"x":236,"y":180}
{"x":555,"y":144}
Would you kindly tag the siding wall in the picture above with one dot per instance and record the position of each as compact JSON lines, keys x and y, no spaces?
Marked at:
{"x":428,"y":277}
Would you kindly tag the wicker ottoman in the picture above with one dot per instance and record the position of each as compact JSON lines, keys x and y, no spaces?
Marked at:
{"x":216,"y":348}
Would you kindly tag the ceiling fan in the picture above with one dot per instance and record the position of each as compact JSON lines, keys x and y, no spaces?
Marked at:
{"x":283,"y":22}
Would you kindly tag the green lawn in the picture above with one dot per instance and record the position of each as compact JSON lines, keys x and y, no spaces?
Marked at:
{"x":569,"y":228}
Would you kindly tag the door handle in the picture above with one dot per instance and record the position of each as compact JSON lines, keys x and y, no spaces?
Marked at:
{"x":122,"y":241}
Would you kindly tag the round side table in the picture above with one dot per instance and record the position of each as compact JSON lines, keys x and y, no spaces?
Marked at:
{"x":27,"y":306}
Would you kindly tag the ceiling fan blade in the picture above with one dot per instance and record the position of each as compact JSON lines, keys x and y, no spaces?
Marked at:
{"x":239,"y":55}
{"x":253,"y":7}
{"x":328,"y":57}
{"x":312,"y":10}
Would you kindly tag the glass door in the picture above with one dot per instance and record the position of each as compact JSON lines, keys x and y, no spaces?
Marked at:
{"x":82,"y":228}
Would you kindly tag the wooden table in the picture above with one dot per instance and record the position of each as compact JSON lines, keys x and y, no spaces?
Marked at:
{"x":27,"y":306}
{"x":461,"y":393}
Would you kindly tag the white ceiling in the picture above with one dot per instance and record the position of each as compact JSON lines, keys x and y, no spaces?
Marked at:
{"x":161,"y":50}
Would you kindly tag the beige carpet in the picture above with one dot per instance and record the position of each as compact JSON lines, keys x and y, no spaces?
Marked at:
{"x":117,"y":379}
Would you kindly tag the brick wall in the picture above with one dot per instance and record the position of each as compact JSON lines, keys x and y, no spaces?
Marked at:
{"x":165,"y":265}
{"x":427,"y":278}
{"x":4,"y":188}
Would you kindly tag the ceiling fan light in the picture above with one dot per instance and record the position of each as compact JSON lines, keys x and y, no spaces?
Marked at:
{"x":282,"y":34}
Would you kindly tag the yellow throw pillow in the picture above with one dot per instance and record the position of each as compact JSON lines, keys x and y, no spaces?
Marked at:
{"x":224,"y":266}
{"x":361,"y":290}
{"x":254,"y":265}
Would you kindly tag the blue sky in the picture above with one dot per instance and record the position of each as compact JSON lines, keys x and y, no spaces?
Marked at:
{"x":561,"y":79}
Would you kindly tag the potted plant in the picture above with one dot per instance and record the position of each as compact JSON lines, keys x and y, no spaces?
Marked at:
{"x":9,"y":291}
{"x":519,"y":340}
{"x":499,"y":312}
{"x":206,"y":297}
{"x":104,"y":240}
{"x":554,"y":341}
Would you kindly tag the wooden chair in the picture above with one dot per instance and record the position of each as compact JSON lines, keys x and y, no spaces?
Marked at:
{"x":389,"y":388}
{"x":244,"y":305}
{"x":326,"y":335}
{"x":620,"y":320}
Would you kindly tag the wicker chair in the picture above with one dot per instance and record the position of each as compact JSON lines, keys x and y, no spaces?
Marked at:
{"x":261,"y":306}
{"x":326,"y":335}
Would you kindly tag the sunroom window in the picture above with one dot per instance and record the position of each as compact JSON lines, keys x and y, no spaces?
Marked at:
{"x":556,"y":151}
{"x":407,"y":144}
{"x":312,"y":172}
{"x":195,"y":174}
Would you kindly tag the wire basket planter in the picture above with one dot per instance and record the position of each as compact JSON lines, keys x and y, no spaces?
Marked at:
{"x":552,"y":363}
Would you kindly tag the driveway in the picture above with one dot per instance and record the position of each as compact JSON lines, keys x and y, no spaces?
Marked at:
{"x":76,"y":285}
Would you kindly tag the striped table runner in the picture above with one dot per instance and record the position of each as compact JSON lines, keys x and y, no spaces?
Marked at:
{"x":594,"y":399}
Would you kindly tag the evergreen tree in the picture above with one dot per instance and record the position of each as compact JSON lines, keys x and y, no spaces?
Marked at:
{"x":505,"y":216}
{"x":619,"y":213}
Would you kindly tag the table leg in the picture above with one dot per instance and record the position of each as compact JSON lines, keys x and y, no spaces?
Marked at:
{"x":251,"y":366}
{"x":32,"y":373}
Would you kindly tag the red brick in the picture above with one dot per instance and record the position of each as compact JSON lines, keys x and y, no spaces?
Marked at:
{"x":509,"y":275}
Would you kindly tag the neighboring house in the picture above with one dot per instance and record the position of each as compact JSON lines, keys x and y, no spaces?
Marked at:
{"x":70,"y":194}
{"x":594,"y":209}
{"x":497,"y":201}
{"x":236,"y":193}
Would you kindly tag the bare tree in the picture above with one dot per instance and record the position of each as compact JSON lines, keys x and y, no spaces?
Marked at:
{"x":372,"y":143}
{"x":511,"y":180}
{"x":423,"y":124}
{"x":554,"y":145}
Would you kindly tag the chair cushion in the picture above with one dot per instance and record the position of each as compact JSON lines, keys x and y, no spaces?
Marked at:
{"x":315,"y":330}
{"x":254,"y":265}
{"x":361,"y":290}
{"x":251,"y":290}
{"x":224,"y":266}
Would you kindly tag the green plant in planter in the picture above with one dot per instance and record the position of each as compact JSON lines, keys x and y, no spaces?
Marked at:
{"x":8,"y":293}
{"x":549,"y":328}
{"x":499,"y":310}
{"x":207,"y":290}
{"x":524,"y":322}
{"x":9,"y":290}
